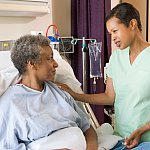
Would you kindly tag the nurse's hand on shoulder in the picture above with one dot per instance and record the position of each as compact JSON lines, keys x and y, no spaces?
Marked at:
{"x":66,"y":88}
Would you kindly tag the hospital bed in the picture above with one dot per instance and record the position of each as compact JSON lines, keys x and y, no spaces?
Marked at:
{"x":9,"y":75}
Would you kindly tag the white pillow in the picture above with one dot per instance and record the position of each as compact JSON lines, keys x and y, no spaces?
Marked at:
{"x":56,"y":54}
{"x":64,"y":73}
{"x":5,"y":60}
{"x":8,"y":77}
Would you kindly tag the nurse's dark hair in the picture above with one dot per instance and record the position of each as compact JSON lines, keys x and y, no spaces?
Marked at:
{"x":125,"y":12}
{"x":27,"y":48}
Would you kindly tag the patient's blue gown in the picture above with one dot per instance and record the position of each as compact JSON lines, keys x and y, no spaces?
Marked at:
{"x":27,"y":115}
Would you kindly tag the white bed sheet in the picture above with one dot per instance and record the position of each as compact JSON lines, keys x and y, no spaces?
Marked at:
{"x":106,"y":139}
{"x":71,"y":138}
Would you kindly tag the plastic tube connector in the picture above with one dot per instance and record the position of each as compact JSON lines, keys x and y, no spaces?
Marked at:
{"x":94,"y":85}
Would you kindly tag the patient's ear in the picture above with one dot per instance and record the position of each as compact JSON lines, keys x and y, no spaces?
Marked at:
{"x":31,"y":65}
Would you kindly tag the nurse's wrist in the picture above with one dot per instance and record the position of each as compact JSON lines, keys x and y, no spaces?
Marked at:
{"x":147,"y":126}
{"x":144,"y":128}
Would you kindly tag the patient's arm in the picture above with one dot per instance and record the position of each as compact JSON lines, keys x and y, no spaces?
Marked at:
{"x":91,"y":139}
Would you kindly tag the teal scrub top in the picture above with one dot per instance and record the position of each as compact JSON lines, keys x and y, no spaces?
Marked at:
{"x":132,"y":88}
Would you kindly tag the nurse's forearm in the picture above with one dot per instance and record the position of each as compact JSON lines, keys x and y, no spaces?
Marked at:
{"x":144,"y":128}
{"x":99,"y":99}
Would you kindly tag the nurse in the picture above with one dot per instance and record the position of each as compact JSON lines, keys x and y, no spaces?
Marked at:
{"x":128,"y":82}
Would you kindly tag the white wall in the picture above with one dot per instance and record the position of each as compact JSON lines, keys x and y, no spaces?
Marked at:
{"x":61,"y":11}
{"x":142,"y":10}
{"x":141,"y":6}
{"x":114,"y":3}
{"x":13,"y":27}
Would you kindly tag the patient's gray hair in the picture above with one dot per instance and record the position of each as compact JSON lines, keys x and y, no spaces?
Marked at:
{"x":27,"y":48}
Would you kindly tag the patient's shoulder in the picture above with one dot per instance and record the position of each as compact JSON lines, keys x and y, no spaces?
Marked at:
{"x":66,"y":96}
{"x":11,"y":93}
{"x":55,"y":88}
{"x":8,"y":92}
{"x":5,"y":100}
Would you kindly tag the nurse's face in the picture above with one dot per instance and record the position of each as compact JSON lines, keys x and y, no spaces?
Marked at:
{"x":121,"y":35}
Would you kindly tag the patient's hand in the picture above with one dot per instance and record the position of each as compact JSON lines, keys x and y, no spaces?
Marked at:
{"x":92,"y":147}
{"x":91,"y":139}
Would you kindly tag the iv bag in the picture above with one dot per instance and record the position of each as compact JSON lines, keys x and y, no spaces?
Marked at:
{"x":95,"y":59}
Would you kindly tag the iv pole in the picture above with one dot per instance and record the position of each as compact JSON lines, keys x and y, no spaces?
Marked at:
{"x":84,"y":66}
{"x":84,"y":50}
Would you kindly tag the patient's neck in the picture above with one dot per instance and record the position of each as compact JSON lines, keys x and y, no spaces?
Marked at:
{"x":32,"y":82}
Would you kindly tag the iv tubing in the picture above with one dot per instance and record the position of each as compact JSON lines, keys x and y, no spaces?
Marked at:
{"x":52,"y":25}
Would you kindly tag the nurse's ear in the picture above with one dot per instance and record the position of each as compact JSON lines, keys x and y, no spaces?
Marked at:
{"x":133,"y":24}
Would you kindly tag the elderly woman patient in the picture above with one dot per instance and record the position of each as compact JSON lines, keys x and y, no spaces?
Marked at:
{"x":36,"y":108}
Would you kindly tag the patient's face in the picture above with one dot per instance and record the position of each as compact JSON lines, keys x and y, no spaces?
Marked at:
{"x":46,"y":69}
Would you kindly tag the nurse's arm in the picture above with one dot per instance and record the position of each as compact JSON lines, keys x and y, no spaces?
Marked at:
{"x":106,"y":98}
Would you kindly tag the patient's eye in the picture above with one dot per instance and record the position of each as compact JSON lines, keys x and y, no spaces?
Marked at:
{"x":50,"y":58}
